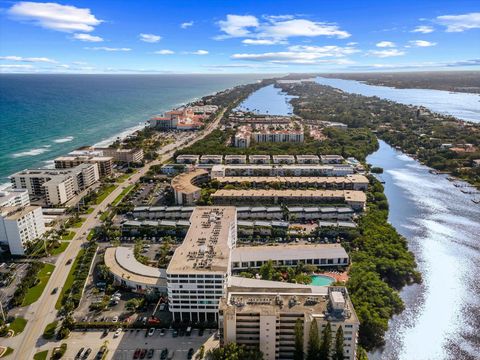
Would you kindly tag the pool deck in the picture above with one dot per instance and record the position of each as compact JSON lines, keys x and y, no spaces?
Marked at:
{"x":343,"y":277}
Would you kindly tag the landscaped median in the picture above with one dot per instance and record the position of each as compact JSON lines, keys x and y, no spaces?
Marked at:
{"x":72,"y":289}
{"x":122,"y":194}
{"x":36,"y":291}
{"x":68,"y":236}
{"x":49,"y":331}
{"x":42,"y":355}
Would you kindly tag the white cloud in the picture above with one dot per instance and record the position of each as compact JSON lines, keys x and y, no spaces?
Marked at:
{"x":164,"y":52}
{"x":385,"y":44}
{"x":262,"y":42}
{"x":300,"y":27}
{"x":28,"y":59}
{"x":105,"y":48}
{"x":150,"y":38}
{"x":237,"y":25}
{"x":186,"y":25}
{"x":87,"y":37}
{"x":386,"y":53}
{"x":15,"y":66}
{"x":199,"y":52}
{"x":424,"y":29}
{"x":55,"y":16}
{"x":275,"y":29}
{"x":421,"y":43}
{"x":303,"y":55}
{"x":459,"y":23}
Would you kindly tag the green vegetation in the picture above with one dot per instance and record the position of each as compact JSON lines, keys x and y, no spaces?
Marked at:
{"x":41,"y":281}
{"x":29,"y":281}
{"x":58,"y":352}
{"x":313,"y":342}
{"x":7,"y":352}
{"x":72,"y":289}
{"x":295,"y":274}
{"x":75,"y":222}
{"x":381,"y":264}
{"x":351,"y":142}
{"x":416,"y":131}
{"x":234,"y":351}
{"x":137,"y":252}
{"x":122,"y":194}
{"x":49,"y":331}
{"x":90,"y":234}
{"x":17,"y":325}
{"x":97,"y":196}
{"x":68,"y":236}
{"x":298,"y":353}
{"x":59,"y":249}
{"x":338,"y":350}
{"x":42,"y":355}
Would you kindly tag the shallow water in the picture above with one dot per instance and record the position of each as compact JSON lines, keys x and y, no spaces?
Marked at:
{"x":442,"y":225}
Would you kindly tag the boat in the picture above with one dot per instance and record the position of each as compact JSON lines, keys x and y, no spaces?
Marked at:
{"x":476,"y":201}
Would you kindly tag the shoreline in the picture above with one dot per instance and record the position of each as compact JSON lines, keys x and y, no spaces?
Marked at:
{"x":123,"y":134}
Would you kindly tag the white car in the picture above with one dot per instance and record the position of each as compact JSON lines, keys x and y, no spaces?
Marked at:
{"x":115,"y":319}
{"x":151,"y":331}
{"x":117,"y":333}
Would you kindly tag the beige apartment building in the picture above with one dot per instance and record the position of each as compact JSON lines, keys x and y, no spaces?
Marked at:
{"x":56,"y":186}
{"x":263,"y":314}
{"x":185,"y":186}
{"x":104,"y":163}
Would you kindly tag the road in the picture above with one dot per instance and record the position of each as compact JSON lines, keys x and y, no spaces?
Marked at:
{"x":43,"y":311}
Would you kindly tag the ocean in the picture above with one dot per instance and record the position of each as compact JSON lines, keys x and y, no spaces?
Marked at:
{"x":45,"y":116}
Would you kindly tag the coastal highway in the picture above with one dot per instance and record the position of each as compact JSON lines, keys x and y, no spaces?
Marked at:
{"x":43,"y":312}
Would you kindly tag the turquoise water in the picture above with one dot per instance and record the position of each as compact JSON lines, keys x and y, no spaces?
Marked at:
{"x":321,"y":280}
{"x":44,"y":116}
{"x":268,"y":100}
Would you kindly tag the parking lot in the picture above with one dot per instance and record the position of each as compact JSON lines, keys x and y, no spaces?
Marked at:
{"x":123,"y":347}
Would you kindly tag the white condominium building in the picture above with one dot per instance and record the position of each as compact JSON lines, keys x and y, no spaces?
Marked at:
{"x":14,"y":197}
{"x":20,"y":225}
{"x":57,"y":186}
{"x":198,"y":273}
{"x":263,"y":314}
{"x":256,"y":169}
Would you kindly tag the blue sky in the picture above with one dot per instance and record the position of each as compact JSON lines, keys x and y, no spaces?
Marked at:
{"x":146,"y":36}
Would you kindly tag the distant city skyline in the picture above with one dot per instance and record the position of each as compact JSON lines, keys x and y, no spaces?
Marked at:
{"x":143,"y":36}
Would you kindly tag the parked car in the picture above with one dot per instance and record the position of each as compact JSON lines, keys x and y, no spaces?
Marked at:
{"x":79,"y":353}
{"x":150,"y":353}
{"x":175,"y":333}
{"x":162,"y":332}
{"x":190,"y":353}
{"x":151,"y":331}
{"x":117,"y":333}
{"x":86,"y":353}
{"x":115,"y":319}
{"x":136,"y":354}
{"x":143,"y":353}
{"x":164,"y":354}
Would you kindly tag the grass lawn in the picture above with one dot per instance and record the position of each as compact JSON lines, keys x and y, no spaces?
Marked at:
{"x":42,"y":355}
{"x":69,"y":236}
{"x":101,"y":196}
{"x":105,"y":215}
{"x":122,"y":194}
{"x":49,"y":331}
{"x":18,"y":325}
{"x":77,"y":223}
{"x":69,"y":282}
{"x":8,"y":352}
{"x":59,"y":250}
{"x":34,"y":292}
{"x":124,"y":177}
{"x":89,"y":210}
{"x":90,"y":234}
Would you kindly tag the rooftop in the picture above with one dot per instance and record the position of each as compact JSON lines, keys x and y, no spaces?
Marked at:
{"x":17,"y":212}
{"x":207,"y":244}
{"x":122,"y":263}
{"x":354,"y":179}
{"x":347,"y":195}
{"x":183,"y":182}
{"x":288,"y":252}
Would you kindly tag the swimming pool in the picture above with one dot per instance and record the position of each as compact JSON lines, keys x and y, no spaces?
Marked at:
{"x":321,"y":280}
